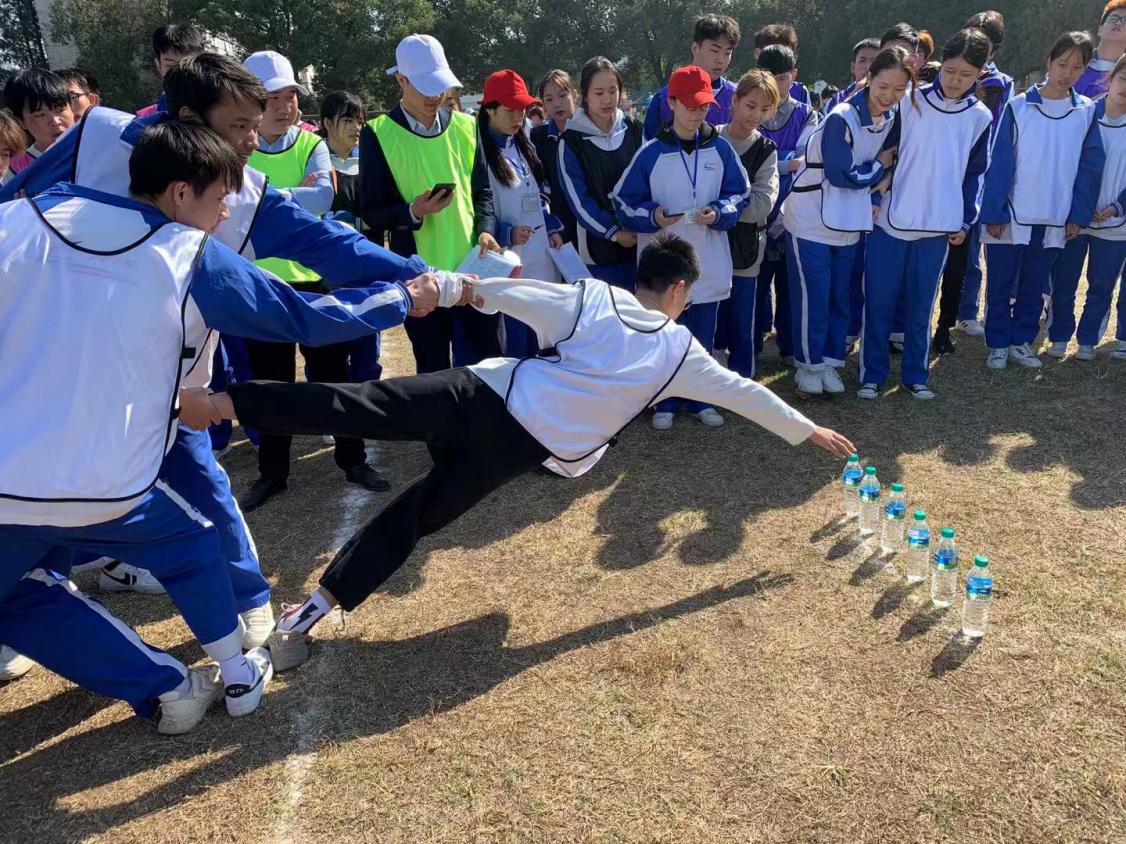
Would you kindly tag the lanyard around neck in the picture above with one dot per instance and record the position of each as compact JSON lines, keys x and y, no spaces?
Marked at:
{"x":695,"y":171}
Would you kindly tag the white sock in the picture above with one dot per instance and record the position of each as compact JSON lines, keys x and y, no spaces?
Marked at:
{"x":236,"y":670}
{"x":301,"y":619}
{"x":184,"y":687}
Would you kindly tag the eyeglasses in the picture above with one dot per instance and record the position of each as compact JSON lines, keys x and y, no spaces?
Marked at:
{"x":1115,"y":18}
{"x":75,"y":96}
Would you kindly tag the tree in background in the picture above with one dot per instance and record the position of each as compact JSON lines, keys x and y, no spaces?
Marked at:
{"x":21,"y":40}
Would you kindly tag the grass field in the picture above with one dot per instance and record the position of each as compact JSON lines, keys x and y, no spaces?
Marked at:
{"x":682,"y":646}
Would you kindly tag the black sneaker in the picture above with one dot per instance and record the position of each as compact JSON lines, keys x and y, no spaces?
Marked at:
{"x":261,"y":491}
{"x":366,"y":476}
{"x":943,"y":343}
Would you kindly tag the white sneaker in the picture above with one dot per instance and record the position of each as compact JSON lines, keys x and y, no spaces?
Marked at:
{"x":831,"y":381}
{"x":809,"y":382}
{"x":12,"y":664}
{"x":1024,"y":355}
{"x":998,"y":359}
{"x":920,"y":391}
{"x":710,"y":417}
{"x":288,"y":650}
{"x":971,"y":327}
{"x":1058,"y":350}
{"x":328,"y":439}
{"x":1120,"y":352}
{"x":868,"y":391}
{"x":1085,"y":353}
{"x":661,"y":421}
{"x":181,"y":712}
{"x":122,"y":577}
{"x":257,"y":625}
{"x":243,"y":698}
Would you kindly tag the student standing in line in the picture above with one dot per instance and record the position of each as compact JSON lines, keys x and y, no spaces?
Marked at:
{"x":524,"y":221}
{"x":594,"y":151}
{"x":862,"y":54}
{"x":829,"y":206}
{"x":932,"y":201}
{"x":1112,"y":44}
{"x":789,"y":129}
{"x":1028,"y":193}
{"x":559,"y":97}
{"x":786,"y":36}
{"x":1096,"y":232}
{"x":40,"y":102}
{"x":688,"y":180}
{"x":713,"y":44}
{"x":756,"y":98}
{"x":170,"y":43}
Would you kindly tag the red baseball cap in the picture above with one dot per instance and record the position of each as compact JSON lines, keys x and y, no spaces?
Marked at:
{"x":691,"y":86}
{"x":507,"y":88}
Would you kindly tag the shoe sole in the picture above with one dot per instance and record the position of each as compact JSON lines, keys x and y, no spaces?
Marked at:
{"x":1037,"y":365}
{"x":18,"y":671}
{"x":249,"y":703}
{"x":287,"y":650}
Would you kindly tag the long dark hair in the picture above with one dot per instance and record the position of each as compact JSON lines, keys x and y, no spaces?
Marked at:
{"x":497,"y":162}
{"x":1069,"y":41}
{"x":590,"y":69}
{"x":971,"y":44}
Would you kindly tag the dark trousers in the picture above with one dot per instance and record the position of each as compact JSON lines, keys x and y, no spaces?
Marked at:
{"x":476,"y":445}
{"x":433,"y":335}
{"x":953,"y":282}
{"x":276,"y":362}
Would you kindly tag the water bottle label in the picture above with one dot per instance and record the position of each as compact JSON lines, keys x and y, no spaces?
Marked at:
{"x":918,"y":538}
{"x":945,"y":561}
{"x":895,"y":511}
{"x":979,"y":587}
{"x":851,"y":481}
{"x":869,"y":495}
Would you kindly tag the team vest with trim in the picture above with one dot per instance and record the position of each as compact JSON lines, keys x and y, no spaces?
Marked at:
{"x":1113,"y":135}
{"x":417,"y":164}
{"x":576,"y":398}
{"x":92,"y":302}
{"x":286,"y":169}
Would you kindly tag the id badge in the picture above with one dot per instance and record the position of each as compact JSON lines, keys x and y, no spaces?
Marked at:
{"x":530,"y":203}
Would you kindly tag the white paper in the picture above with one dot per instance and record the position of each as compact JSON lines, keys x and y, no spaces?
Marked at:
{"x":504,"y":264}
{"x":569,"y":264}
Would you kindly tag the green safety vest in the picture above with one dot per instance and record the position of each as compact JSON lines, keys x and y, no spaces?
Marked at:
{"x":286,"y":169}
{"x":417,"y":164}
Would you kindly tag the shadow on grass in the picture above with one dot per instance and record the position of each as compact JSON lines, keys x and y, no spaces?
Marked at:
{"x":921,"y":622}
{"x":893,"y":598}
{"x":405,"y":680}
{"x":954,"y":655}
{"x":873,"y":564}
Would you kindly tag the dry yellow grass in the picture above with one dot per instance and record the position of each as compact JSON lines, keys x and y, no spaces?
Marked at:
{"x":682,"y":646}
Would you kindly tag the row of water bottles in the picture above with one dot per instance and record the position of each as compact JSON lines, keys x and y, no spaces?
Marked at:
{"x":862,"y":499}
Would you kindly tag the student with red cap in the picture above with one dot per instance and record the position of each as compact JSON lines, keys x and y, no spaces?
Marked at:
{"x":689,"y":181}
{"x":524,"y":222}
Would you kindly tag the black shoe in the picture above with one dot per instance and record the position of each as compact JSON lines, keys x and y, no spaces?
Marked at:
{"x":943,"y":343}
{"x":367,"y":477}
{"x":261,"y":491}
{"x":895,"y":347}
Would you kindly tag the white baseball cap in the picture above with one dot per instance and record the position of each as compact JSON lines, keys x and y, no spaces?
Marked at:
{"x":274,"y":70}
{"x":421,"y":59}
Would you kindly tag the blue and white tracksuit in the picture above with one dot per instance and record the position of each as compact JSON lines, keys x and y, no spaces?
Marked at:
{"x":684,"y":175}
{"x":1028,"y":189}
{"x":935,"y":192}
{"x":829,"y":206}
{"x":1100,"y":183}
{"x":263,"y":223}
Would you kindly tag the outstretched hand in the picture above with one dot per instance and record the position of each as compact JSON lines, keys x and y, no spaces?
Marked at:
{"x":832,"y":442}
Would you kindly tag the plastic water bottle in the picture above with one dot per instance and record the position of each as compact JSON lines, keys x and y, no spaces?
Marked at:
{"x":895,"y":520}
{"x":979,"y":592}
{"x":918,"y":548}
{"x":869,"y":502}
{"x":944,"y":571}
{"x":850,"y":483}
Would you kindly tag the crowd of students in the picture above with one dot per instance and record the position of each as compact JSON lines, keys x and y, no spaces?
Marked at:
{"x":735,"y":209}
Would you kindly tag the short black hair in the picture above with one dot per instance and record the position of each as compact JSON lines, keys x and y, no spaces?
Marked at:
{"x":87,"y":81}
{"x":665,"y":261}
{"x":1079,"y":41}
{"x":866,"y":44}
{"x":714,"y":27}
{"x":992,"y":23}
{"x":182,"y":152}
{"x":31,"y":90}
{"x":180,"y":38}
{"x":776,"y":33}
{"x":340,"y":104}
{"x":901,"y":32}
{"x":777,"y":58}
{"x":200,"y":80}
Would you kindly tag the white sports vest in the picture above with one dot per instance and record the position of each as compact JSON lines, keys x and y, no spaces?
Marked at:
{"x":1047,"y":158}
{"x":598,"y":379}
{"x":101,"y":162}
{"x":91,"y":335}
{"x":839,"y":209}
{"x":935,"y":144}
{"x":1114,"y":179}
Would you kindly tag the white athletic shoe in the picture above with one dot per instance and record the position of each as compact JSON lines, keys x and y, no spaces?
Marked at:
{"x":919,"y":391}
{"x":1120,"y":352}
{"x":288,"y":650}
{"x":868,"y":391}
{"x":661,"y":421}
{"x":1085,"y":353}
{"x":710,"y":417}
{"x":257,"y":625}
{"x":243,"y":698}
{"x":831,"y":381}
{"x":121,"y":577}
{"x":1058,"y":350}
{"x":12,"y":664}
{"x":1024,"y":355}
{"x":998,"y":359}
{"x":181,"y":712}
{"x":809,"y":382}
{"x":971,"y":327}
{"x":328,"y":439}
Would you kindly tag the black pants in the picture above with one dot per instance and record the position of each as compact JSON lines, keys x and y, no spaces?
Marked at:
{"x":476,"y":444}
{"x":276,"y":362}
{"x":953,"y":281}
{"x":432,"y":337}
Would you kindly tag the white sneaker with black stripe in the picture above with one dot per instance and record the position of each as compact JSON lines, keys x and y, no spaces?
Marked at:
{"x":243,"y":698}
{"x":1024,"y":355}
{"x":12,"y":664}
{"x":122,"y":577}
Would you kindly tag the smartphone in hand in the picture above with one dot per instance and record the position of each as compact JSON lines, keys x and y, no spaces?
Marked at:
{"x":441,"y":189}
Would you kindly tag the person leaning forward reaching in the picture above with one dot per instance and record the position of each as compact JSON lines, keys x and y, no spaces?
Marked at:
{"x":423,"y":180}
